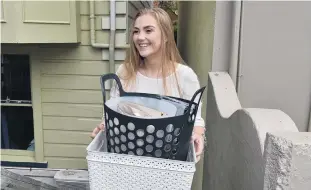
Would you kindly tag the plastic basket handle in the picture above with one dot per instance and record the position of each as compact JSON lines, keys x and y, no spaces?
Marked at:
{"x":197,"y":93}
{"x":115,"y":77}
{"x":110,"y":76}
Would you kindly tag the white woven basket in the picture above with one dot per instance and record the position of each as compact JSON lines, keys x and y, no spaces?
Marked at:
{"x":121,"y":171}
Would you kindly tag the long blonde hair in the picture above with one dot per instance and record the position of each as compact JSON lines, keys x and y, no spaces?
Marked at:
{"x":168,"y":49}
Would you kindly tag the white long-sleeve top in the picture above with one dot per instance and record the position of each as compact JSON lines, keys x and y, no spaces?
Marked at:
{"x":188,"y":83}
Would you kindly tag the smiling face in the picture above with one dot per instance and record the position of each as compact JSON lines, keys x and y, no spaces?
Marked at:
{"x":147,"y":36}
{"x":151,"y":38}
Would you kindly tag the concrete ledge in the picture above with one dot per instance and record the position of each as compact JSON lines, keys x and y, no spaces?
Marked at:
{"x":288,"y":161}
{"x":236,"y":137}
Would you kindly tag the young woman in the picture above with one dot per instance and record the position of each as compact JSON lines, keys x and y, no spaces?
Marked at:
{"x":154,"y":65}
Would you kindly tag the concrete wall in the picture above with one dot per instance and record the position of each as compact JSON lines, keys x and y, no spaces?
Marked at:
{"x":288,"y":161}
{"x":240,"y":155}
{"x":222,"y":36}
{"x":273,"y":54}
{"x":275,"y":57}
{"x":195,"y":43}
{"x":265,"y":41}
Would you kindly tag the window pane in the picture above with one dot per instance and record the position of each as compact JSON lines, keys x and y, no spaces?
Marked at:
{"x":16,"y":127}
{"x":15,"y":77}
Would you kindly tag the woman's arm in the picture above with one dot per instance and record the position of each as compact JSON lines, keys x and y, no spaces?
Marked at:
{"x":190,"y":84}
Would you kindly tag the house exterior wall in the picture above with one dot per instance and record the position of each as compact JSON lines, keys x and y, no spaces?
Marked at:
{"x":68,"y":86}
{"x":30,"y":22}
{"x":195,"y":43}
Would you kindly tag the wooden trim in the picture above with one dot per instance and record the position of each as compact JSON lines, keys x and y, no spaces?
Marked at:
{"x":36,"y":106}
{"x":15,"y":158}
{"x":38,"y":154}
{"x":17,"y":105}
{"x":45,"y":21}
{"x":78,"y":20}
{"x":127,"y":31}
{"x":2,"y":20}
{"x":10,"y":152}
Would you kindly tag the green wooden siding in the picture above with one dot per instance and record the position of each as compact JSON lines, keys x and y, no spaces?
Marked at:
{"x":66,"y":88}
{"x":70,"y":88}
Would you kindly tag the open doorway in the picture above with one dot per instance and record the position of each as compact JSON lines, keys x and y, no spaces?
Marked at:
{"x":17,"y":131}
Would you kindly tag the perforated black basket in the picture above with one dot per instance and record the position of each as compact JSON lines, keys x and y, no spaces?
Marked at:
{"x":167,"y":137}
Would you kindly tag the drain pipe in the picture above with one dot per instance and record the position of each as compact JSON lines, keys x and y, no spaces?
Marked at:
{"x":111,"y":44}
{"x":112,"y":35}
{"x":92,"y":27}
{"x":235,"y":44}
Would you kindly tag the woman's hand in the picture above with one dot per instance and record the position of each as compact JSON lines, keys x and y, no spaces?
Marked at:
{"x":198,"y":139}
{"x":99,"y":127}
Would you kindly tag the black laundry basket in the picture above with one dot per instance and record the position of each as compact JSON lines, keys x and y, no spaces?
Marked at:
{"x":167,"y":137}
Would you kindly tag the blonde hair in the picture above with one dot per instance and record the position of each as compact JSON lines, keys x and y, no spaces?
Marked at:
{"x":170,"y":58}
